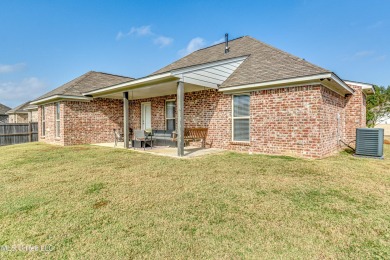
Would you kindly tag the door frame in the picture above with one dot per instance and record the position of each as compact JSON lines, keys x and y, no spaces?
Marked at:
{"x":143,"y":116}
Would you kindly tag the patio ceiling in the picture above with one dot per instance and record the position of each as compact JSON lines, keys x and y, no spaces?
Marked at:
{"x":155,"y":90}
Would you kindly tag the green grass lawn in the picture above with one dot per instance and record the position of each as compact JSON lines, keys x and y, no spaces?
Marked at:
{"x":97,"y":203}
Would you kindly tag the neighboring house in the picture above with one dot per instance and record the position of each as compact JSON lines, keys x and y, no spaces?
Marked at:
{"x":3,"y":113}
{"x":385,"y":124}
{"x":24,"y":113}
{"x":251,"y":96}
{"x":384,"y":121}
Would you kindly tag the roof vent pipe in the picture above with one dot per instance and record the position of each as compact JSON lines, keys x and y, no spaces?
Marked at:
{"x":226,"y":43}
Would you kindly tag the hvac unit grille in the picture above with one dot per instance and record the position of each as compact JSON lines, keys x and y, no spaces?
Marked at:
{"x":369,"y":142}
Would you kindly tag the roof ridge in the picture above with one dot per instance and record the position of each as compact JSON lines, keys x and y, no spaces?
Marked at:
{"x":220,"y":43}
{"x":112,"y":74}
{"x":284,"y":52}
{"x":88,"y":74}
{"x":17,"y":108}
{"x":76,"y":80}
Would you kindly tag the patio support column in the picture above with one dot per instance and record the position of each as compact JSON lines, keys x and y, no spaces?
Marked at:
{"x":126,"y":119}
{"x":180,"y":118}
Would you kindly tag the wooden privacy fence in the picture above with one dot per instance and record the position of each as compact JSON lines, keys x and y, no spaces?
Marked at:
{"x":18,"y":133}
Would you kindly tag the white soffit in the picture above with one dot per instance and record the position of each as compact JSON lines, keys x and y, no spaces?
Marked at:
{"x":367,"y":88}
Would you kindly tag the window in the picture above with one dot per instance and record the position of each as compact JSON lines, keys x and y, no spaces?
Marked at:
{"x":170,"y":112}
{"x":57,"y":105}
{"x":43,"y":123}
{"x":241,"y":118}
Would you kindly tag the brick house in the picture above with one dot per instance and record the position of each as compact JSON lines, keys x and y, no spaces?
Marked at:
{"x":3,"y":113}
{"x":250,"y":96}
{"x":24,"y":113}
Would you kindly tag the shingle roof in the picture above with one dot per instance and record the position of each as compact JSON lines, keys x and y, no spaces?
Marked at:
{"x":89,"y":81}
{"x":20,"y":109}
{"x":264,"y":63}
{"x":3,"y":109}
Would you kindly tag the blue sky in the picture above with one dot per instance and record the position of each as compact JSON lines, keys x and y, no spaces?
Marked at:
{"x":44,"y":44}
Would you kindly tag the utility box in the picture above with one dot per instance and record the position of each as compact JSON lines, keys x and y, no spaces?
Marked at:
{"x":369,"y":142}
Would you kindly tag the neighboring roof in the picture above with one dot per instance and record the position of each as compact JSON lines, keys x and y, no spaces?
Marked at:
{"x":89,"y":81}
{"x":4,"y":109}
{"x":21,"y":109}
{"x":264,"y":63}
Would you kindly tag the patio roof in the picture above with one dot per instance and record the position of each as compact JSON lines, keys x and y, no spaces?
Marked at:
{"x":198,"y":77}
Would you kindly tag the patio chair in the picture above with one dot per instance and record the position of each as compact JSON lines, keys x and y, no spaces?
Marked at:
{"x":143,"y":137}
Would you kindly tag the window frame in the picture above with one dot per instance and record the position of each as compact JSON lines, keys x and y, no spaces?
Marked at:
{"x":170,"y":118}
{"x":241,"y":117}
{"x":43,"y":121}
{"x":57,"y":118}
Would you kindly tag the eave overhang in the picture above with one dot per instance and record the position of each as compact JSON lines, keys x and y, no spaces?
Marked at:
{"x":329,"y":80}
{"x":367,"y":88}
{"x":57,"y":98}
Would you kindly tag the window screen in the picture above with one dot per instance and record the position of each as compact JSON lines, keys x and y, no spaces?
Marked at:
{"x":241,"y":127}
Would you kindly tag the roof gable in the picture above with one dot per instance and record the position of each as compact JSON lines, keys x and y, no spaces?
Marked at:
{"x":264,"y":62}
{"x":19,"y":109}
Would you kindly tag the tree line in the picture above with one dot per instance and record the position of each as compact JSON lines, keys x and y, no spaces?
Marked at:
{"x":378,"y":106}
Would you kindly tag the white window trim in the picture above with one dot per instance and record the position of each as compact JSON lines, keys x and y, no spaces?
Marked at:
{"x":166,"y":118}
{"x":57,"y":120}
{"x":43,"y":121}
{"x":241,"y":117}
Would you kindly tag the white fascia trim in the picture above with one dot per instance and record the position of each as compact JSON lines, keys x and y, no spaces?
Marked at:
{"x":362,"y":85}
{"x":206,"y":65}
{"x":365,"y":86}
{"x":132,"y":83}
{"x":342,"y":83}
{"x":291,"y":81}
{"x":59,"y":97}
{"x":243,"y":91}
{"x":277,"y":82}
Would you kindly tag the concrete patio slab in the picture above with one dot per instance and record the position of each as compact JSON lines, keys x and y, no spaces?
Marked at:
{"x":189,"y":152}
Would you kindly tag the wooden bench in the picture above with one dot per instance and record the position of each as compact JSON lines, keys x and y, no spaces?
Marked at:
{"x":193,"y":134}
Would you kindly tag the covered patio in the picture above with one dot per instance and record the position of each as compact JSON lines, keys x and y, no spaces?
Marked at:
{"x":174,"y":83}
{"x":188,"y":152}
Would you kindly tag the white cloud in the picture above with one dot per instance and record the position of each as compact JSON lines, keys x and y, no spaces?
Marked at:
{"x":5,"y":68}
{"x":219,"y":41}
{"x":193,"y":45}
{"x":366,"y":53}
{"x":381,"y":58}
{"x":15,"y":93}
{"x":144,"y":30}
{"x":163,"y":41}
{"x":141,"y":31}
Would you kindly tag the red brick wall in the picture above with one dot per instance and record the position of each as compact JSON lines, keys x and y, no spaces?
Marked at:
{"x":283,"y":121}
{"x":83,"y":122}
{"x":92,"y":122}
{"x":332,"y":120}
{"x":50,"y":116}
{"x":355,"y":113}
